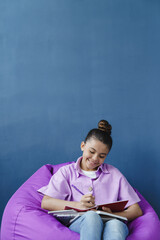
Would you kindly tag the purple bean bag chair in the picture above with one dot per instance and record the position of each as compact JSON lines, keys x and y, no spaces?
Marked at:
{"x":23,"y":218}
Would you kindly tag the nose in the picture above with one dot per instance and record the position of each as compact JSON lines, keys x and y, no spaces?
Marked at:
{"x":95,"y":157}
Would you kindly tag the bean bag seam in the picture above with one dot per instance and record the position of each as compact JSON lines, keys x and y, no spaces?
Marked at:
{"x":16,"y":221}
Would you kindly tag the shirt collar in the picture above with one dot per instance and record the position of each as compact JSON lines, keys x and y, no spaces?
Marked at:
{"x":103,"y":168}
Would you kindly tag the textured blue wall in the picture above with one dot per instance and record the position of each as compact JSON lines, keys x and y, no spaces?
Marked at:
{"x":64,"y":65}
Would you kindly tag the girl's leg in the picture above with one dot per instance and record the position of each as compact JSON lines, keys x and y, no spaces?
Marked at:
{"x":115,"y":230}
{"x":89,"y":225}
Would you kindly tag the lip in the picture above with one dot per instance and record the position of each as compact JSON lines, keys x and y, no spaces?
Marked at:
{"x":92,"y":163}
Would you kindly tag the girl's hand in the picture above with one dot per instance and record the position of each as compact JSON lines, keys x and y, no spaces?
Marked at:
{"x":105,"y":209}
{"x":87,"y":201}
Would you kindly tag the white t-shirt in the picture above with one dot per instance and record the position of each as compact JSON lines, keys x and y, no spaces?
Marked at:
{"x":90,"y":174}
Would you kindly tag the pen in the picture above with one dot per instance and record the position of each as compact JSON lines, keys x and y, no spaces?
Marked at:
{"x":77,"y":189}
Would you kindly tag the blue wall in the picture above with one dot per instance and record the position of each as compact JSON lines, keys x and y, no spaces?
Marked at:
{"x":64,"y":65}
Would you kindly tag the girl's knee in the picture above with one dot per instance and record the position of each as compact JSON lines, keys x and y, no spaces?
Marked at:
{"x":115,"y":223}
{"x":91,"y":214}
{"x":93,"y":217}
{"x":116,"y":228}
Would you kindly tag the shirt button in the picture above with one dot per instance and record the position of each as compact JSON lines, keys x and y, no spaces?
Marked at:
{"x":90,"y":189}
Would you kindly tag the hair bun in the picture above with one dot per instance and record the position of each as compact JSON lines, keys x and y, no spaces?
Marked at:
{"x":104,"y":126}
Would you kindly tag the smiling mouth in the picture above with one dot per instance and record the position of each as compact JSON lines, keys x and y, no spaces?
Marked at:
{"x":92,"y":163}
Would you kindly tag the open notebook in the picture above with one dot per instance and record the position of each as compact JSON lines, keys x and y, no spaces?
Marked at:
{"x":68,"y":215}
{"x":117,"y":206}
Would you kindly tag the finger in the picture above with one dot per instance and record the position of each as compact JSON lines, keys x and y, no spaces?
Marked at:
{"x":106,"y":209}
{"x":89,"y":204}
{"x":88,"y":194}
{"x":89,"y":199}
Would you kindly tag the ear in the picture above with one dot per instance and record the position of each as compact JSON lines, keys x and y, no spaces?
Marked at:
{"x":82,"y":146}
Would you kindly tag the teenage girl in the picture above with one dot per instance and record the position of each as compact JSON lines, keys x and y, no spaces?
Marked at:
{"x":97,"y":183}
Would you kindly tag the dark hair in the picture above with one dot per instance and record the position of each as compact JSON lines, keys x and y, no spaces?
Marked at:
{"x":102,"y":133}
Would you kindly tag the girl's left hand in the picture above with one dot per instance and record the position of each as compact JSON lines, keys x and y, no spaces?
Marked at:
{"x":105,"y":209}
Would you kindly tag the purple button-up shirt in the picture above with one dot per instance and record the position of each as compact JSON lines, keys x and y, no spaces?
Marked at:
{"x":109,"y":185}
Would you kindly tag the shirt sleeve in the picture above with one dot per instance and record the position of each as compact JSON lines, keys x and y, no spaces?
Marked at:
{"x":58,"y":186}
{"x":127,"y":192}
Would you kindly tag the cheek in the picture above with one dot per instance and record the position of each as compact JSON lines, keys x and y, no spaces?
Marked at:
{"x":102,"y":161}
{"x":87,"y":154}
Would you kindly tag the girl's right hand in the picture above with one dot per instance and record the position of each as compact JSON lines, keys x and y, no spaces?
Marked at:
{"x":87,"y":201}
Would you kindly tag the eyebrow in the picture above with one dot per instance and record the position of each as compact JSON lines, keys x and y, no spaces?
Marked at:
{"x":100,"y":153}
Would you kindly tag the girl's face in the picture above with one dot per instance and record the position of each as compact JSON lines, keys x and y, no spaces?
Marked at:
{"x":94,"y":154}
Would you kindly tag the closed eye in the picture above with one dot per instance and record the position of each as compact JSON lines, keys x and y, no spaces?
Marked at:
{"x":91,"y":152}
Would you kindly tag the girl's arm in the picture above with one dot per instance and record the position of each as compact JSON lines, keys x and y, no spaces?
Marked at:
{"x":130,"y":213}
{"x":53,"y":204}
